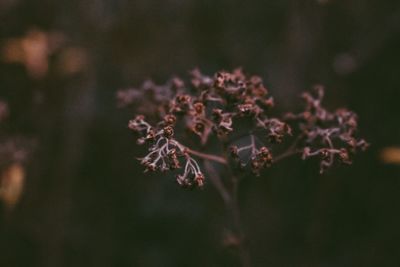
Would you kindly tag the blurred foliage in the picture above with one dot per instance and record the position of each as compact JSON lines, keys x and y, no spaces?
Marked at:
{"x":85,"y":201}
{"x":390,"y":155}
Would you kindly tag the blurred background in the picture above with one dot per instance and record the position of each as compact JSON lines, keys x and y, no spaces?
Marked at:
{"x":75,"y":195}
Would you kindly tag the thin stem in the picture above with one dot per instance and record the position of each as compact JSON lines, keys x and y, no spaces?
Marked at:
{"x":207,"y":156}
{"x":234,"y":207}
{"x":253,"y":144}
{"x":285,"y":155}
{"x":217,"y":183}
{"x":199,"y":154}
{"x":231,"y":204}
{"x":290,"y":151}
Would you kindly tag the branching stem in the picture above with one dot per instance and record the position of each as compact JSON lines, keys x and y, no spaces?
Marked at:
{"x":231,"y":203}
{"x":205,"y":156}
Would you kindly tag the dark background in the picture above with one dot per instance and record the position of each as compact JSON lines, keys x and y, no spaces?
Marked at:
{"x":86,"y":201}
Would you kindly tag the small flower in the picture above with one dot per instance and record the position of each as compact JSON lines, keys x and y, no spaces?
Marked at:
{"x":249,"y":109}
{"x":198,"y":128}
{"x":261,"y":159}
{"x":324,"y":153}
{"x":198,"y":108}
{"x":234,"y":152}
{"x":169,"y":119}
{"x":150,"y":166}
{"x":173,"y":161}
{"x":217,"y":115}
{"x":199,"y":179}
{"x":183,"y":181}
{"x":268,"y":103}
{"x":177,"y":83}
{"x":168,"y":131}
{"x":181,"y":103}
{"x":344,"y":156}
{"x":151,"y":134}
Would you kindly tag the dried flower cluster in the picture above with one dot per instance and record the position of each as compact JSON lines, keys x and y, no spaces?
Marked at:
{"x":165,"y":151}
{"x":325,"y":134}
{"x":232,"y":107}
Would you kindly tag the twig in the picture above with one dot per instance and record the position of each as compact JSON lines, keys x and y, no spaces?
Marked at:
{"x":290,"y":151}
{"x":285,"y":155}
{"x":207,"y":156}
{"x":234,"y":207}
{"x":231,"y":203}
{"x":217,"y":183}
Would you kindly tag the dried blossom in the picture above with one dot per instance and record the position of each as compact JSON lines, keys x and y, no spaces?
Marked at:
{"x":165,"y":152}
{"x":233,"y":107}
{"x":257,"y":157}
{"x":326,"y":134}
